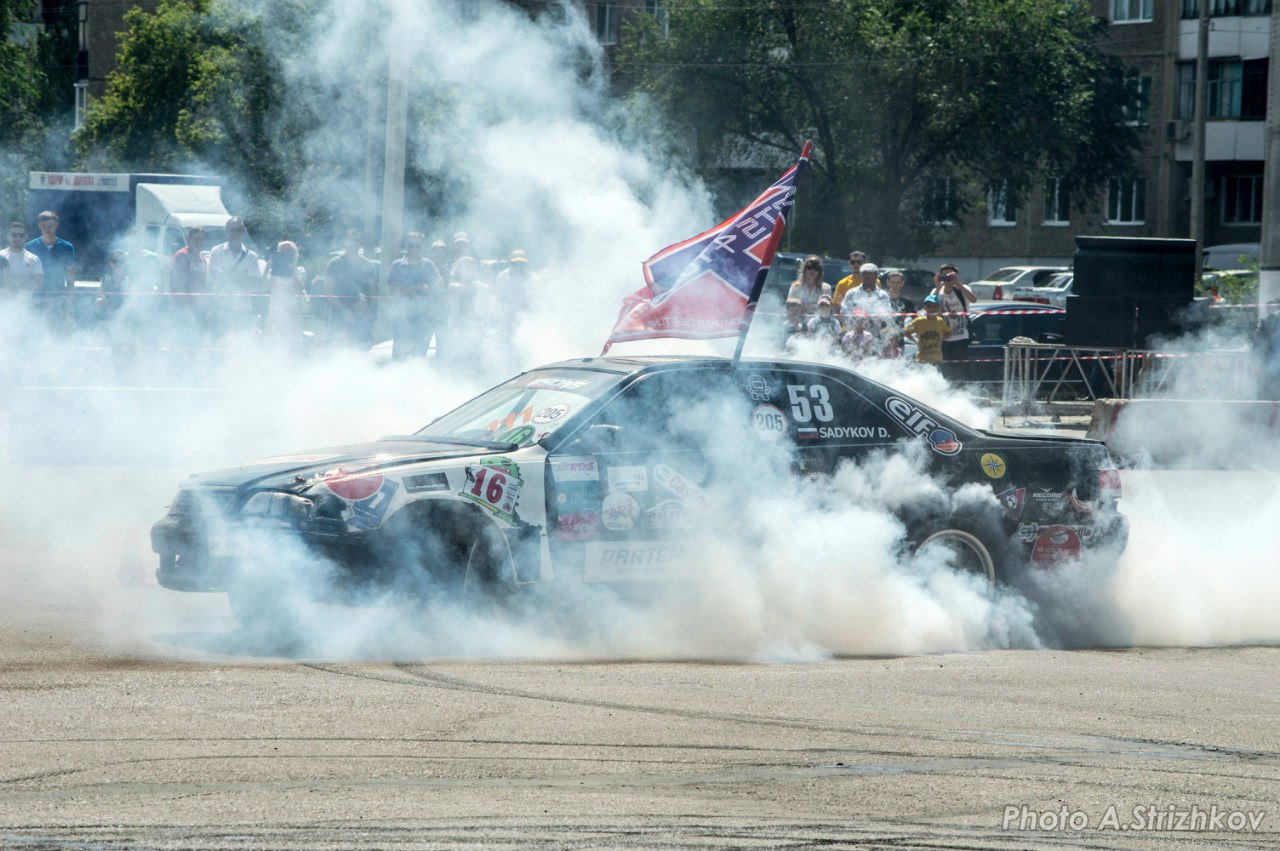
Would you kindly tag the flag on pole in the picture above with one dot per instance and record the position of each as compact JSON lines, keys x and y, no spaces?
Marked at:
{"x":706,"y":287}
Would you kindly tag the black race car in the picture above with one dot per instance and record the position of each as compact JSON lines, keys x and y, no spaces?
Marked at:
{"x":602,"y":470}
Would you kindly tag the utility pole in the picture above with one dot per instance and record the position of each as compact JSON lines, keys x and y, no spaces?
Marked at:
{"x":393,"y":160}
{"x":1197,"y":156}
{"x":1269,"y":250}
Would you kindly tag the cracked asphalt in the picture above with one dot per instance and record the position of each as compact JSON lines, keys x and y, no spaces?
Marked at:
{"x":139,"y":718}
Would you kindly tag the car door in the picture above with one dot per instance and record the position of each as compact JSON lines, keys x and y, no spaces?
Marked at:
{"x":628,"y":489}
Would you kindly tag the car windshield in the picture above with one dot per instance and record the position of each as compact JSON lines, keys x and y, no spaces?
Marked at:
{"x":1004,"y":275}
{"x":521,"y":411}
{"x":1057,"y":282}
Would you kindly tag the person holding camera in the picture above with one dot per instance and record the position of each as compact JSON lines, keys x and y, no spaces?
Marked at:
{"x":954,"y":297}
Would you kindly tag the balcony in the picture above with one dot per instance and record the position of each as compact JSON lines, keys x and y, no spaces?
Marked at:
{"x":1247,"y":38}
{"x":1227,"y":140}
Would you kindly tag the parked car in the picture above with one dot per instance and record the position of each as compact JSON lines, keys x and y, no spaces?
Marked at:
{"x":992,"y":324}
{"x":1231,"y":256}
{"x":916,"y":283}
{"x":1053,"y":291}
{"x":596,"y":470}
{"x":1000,"y":283}
{"x":786,"y":268}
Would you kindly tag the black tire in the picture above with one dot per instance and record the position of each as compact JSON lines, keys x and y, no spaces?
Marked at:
{"x":453,"y":555}
{"x":261,"y":601}
{"x":979,"y":544}
{"x":969,"y":553}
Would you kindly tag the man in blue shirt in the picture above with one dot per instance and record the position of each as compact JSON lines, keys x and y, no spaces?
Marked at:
{"x":58,"y":259}
{"x":418,"y":300}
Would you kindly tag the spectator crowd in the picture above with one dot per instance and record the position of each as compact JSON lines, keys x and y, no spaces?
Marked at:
{"x":437,"y":297}
{"x":864,"y":317}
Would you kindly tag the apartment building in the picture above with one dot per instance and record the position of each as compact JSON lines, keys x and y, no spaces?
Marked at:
{"x":1157,"y":42}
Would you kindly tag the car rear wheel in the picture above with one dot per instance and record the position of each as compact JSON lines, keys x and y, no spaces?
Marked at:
{"x":966,"y":552}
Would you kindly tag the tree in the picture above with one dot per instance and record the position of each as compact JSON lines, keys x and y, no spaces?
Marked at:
{"x":233,"y":87}
{"x":20,"y":75}
{"x":893,"y":93}
{"x":198,"y":85}
{"x":21,"y":120}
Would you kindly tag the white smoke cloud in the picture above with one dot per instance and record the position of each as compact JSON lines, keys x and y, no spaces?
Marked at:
{"x":546,"y":161}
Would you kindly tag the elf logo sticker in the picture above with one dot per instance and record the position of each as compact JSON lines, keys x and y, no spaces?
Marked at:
{"x":942,"y":440}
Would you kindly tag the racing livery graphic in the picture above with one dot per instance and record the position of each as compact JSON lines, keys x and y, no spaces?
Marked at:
{"x":599,"y":470}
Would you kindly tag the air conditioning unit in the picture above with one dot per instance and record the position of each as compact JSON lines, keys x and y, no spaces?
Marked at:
{"x":1177,"y":131}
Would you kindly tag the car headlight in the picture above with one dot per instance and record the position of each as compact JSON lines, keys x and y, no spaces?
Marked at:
{"x":280,"y":506}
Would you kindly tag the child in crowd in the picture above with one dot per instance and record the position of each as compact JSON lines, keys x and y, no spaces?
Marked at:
{"x":823,"y":324}
{"x":859,"y":342}
{"x":928,"y":331}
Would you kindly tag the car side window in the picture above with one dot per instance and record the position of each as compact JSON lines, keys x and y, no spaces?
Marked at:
{"x":1037,"y":325}
{"x":671,"y":410}
{"x":174,"y":240}
{"x":998,"y":327}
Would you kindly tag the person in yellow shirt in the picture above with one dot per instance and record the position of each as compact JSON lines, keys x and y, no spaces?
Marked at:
{"x":928,"y":332}
{"x":848,"y":282}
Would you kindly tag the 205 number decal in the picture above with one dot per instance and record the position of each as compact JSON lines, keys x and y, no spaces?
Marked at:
{"x":810,"y":402}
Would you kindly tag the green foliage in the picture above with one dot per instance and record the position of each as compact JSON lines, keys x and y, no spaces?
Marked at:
{"x":21,"y":76}
{"x":22,"y":121}
{"x":198,"y":86}
{"x":148,"y":96}
{"x":892,"y":93}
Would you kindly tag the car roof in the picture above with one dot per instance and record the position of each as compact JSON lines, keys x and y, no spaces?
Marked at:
{"x":634,"y":365}
{"x":992,"y":306}
{"x":626,"y":364}
{"x":1022,"y":269}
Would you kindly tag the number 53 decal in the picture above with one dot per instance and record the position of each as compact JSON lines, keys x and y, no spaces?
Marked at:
{"x":803,"y":410}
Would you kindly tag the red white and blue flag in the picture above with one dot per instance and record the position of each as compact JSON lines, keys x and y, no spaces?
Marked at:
{"x":707,"y":286}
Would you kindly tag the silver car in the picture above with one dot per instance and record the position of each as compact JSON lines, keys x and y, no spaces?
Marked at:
{"x":1002,"y":282}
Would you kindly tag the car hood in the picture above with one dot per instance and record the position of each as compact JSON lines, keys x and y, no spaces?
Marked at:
{"x":293,"y":472}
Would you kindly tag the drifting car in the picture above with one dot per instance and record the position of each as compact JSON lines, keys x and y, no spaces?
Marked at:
{"x":597,"y":470}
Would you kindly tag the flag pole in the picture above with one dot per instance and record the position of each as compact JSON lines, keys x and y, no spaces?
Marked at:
{"x":757,"y":288}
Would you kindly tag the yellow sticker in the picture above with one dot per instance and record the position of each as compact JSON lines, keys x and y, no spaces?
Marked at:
{"x":993,"y":465}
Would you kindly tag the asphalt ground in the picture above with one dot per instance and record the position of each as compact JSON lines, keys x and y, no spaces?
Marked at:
{"x":141,"y":718}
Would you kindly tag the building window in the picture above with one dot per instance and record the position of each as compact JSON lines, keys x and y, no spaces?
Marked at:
{"x":940,"y":201}
{"x":1130,"y":11}
{"x":1223,"y":8}
{"x":1235,"y":89}
{"x":1002,"y":206}
{"x":1057,"y":205}
{"x":1126,"y":200}
{"x":607,"y":23}
{"x":1253,"y":89}
{"x":1242,"y":199}
{"x":1137,"y":111}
